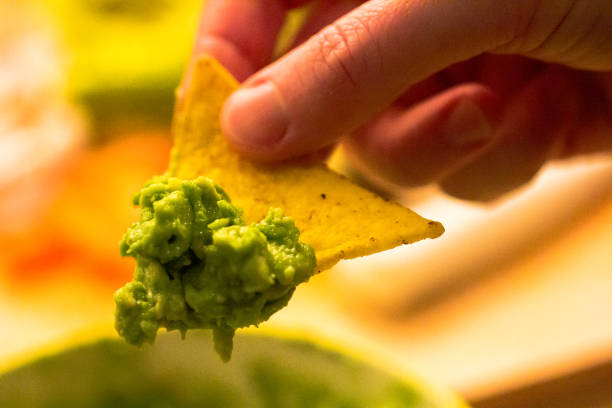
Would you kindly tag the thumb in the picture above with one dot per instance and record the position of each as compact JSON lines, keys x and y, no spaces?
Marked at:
{"x":355,"y":67}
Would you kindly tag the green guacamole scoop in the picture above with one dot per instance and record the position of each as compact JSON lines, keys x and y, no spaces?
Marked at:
{"x":198,"y":266}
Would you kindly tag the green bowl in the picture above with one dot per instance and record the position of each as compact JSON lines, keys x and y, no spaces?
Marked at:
{"x":265,"y":371}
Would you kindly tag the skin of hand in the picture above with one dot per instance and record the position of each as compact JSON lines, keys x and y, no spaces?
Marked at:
{"x":473,"y":95}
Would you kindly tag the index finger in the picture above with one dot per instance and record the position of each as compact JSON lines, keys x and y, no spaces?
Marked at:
{"x":355,"y":67}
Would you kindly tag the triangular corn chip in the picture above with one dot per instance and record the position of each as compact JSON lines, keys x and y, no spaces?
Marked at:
{"x":338,"y":218}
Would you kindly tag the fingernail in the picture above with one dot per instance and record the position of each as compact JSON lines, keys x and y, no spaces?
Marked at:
{"x":467,"y":125}
{"x":254,"y":117}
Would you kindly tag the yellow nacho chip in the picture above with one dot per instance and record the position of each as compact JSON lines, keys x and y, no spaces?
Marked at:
{"x":338,"y":218}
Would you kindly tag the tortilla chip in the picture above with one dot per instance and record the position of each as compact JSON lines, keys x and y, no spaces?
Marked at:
{"x":338,"y":218}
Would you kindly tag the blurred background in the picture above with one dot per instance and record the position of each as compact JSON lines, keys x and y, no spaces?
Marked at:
{"x":512,"y":306}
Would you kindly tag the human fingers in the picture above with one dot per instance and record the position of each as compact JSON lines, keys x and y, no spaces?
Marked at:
{"x":358,"y":65}
{"x":322,"y":13}
{"x":594,"y":132}
{"x":326,"y":12}
{"x":575,"y":33}
{"x":353,"y":68}
{"x":534,"y":128}
{"x":423,"y":143}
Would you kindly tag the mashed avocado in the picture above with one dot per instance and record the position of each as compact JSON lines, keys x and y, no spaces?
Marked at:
{"x":199,"y":265}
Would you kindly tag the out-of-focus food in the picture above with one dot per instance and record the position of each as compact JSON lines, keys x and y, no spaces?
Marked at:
{"x":125,"y":57}
{"x":40,"y":132}
{"x":266,"y":372}
{"x":77,"y":232}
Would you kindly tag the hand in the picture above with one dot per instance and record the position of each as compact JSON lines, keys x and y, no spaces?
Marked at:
{"x":473,"y":95}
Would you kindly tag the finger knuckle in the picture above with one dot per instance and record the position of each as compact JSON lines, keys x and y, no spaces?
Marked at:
{"x":343,"y":49}
{"x":336,"y":52}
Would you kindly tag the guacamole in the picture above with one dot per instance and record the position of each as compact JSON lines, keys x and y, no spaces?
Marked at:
{"x":266,"y":372}
{"x":200,"y":267}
